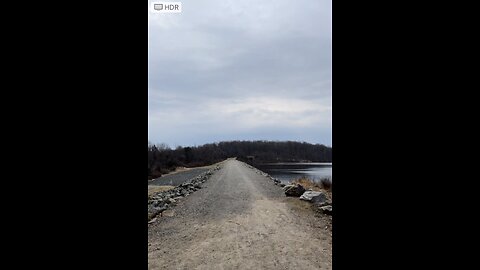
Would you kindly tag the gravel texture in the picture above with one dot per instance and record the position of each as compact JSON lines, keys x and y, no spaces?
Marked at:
{"x":239,"y":219}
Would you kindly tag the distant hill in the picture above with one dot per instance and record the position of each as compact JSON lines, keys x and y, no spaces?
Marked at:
{"x":162,"y":159}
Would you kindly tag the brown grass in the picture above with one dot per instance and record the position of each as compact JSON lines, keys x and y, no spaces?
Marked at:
{"x":323,"y":185}
{"x":154,"y":189}
{"x":326,"y":183}
{"x":308,"y":184}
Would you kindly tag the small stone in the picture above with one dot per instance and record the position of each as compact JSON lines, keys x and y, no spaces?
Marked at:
{"x":326,"y":209}
{"x":151,"y":221}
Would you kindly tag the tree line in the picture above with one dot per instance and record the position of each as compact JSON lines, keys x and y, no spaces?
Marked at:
{"x":162,"y":159}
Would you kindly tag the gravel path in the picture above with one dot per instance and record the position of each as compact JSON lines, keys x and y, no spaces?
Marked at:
{"x":178,"y":178}
{"x":239,"y":220}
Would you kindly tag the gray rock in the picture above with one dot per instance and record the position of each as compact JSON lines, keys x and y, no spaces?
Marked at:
{"x":326,"y":209}
{"x":186,"y":185}
{"x":161,"y":208}
{"x":151,"y":221}
{"x":158,"y":203}
{"x":170,"y":200}
{"x":314,"y":196}
{"x":320,"y":204}
{"x":295,"y":190}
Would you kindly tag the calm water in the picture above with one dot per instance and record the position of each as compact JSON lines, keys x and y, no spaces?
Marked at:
{"x":287,"y":172}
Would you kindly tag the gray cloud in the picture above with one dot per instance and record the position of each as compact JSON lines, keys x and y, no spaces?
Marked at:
{"x":224,"y":70}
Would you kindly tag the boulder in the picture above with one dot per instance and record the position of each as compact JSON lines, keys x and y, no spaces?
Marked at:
{"x":314,"y":196}
{"x":294,"y":190}
{"x":320,"y":204}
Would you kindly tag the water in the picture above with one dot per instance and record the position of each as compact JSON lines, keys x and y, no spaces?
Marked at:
{"x":287,"y":172}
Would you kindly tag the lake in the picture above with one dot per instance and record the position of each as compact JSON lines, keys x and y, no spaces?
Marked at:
{"x":287,"y":172}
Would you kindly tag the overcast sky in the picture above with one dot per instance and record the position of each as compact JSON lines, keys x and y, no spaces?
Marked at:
{"x":241,"y":70}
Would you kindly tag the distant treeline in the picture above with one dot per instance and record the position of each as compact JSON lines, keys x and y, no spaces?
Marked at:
{"x":162,"y":159}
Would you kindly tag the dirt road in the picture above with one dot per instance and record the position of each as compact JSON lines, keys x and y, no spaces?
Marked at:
{"x":239,"y":220}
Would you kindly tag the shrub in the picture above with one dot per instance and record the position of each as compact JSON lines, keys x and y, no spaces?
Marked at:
{"x":307,"y":183}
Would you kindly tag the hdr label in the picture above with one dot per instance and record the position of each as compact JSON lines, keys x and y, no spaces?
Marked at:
{"x":166,"y":7}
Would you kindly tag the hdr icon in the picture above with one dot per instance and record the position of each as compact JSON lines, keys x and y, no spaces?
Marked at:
{"x":167,"y":7}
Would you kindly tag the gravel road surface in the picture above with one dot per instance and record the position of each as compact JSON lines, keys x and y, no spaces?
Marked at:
{"x":240,"y":220}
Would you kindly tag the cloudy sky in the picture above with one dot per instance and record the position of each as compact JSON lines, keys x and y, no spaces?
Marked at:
{"x":241,"y":70}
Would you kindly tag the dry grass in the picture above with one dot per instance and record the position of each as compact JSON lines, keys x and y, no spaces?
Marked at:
{"x":324,"y":184}
{"x":308,"y":184}
{"x":154,"y":189}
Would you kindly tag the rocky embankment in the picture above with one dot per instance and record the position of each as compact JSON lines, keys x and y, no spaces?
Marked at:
{"x":275,"y":180}
{"x":161,"y":201}
{"x":177,"y":178}
{"x":319,"y":199}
